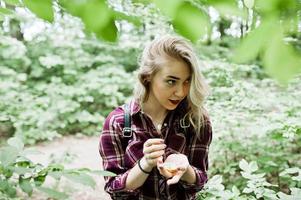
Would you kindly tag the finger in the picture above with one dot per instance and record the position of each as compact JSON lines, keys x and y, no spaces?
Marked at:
{"x":163,"y":171}
{"x":183,"y":169}
{"x":174,"y":179}
{"x":160,"y":161}
{"x":153,"y":141}
{"x":154,"y":148}
{"x":155,"y":154}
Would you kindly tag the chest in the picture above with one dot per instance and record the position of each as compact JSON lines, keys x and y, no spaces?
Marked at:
{"x":175,"y":138}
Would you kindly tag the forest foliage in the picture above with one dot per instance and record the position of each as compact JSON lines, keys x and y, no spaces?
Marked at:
{"x":66,"y":77}
{"x":268,"y":29}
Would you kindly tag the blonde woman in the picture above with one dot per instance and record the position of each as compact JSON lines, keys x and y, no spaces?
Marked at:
{"x":166,"y":155}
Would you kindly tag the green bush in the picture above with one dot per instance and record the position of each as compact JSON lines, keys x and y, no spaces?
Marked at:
{"x":53,"y":86}
{"x":18,"y":173}
{"x":256,"y":186}
{"x":257,"y":120}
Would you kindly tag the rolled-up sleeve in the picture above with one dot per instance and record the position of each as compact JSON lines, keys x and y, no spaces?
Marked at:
{"x":112,"y":153}
{"x":201,"y":179}
{"x":199,"y":158}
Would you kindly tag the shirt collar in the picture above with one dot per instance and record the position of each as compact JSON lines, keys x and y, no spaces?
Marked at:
{"x":135,"y":107}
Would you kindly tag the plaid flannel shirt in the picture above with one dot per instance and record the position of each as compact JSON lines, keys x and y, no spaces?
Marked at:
{"x":120,"y":158}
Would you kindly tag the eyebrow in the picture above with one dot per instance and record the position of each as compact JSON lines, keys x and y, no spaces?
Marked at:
{"x":177,"y":78}
{"x":173,"y":77}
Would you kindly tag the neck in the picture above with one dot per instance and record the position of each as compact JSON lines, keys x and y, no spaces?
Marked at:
{"x":155,"y":111}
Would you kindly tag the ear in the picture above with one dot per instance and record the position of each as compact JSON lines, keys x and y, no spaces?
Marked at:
{"x":146,"y":78}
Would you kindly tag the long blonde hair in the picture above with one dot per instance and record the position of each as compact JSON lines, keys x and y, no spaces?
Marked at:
{"x":178,"y":48}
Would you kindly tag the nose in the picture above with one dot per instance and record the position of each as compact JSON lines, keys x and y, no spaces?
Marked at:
{"x":181,"y":91}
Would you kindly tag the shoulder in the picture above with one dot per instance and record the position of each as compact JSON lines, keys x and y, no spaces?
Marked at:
{"x":112,"y":129}
{"x":206,"y":118}
{"x":206,"y":133}
{"x":115,"y":118}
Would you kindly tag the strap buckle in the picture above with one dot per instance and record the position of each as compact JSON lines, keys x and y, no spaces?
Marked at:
{"x":127,"y":132}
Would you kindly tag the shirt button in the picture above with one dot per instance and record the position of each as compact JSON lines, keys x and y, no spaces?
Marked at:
{"x":165,"y":124}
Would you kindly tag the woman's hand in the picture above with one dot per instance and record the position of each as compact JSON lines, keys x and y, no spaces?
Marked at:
{"x":173,"y":167}
{"x":153,"y":150}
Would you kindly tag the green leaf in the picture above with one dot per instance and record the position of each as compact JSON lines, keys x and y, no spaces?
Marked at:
{"x":265,"y":6}
{"x":169,"y":7}
{"x":8,"y":155}
{"x":1,"y":17}
{"x":5,"y":11}
{"x":235,"y":190}
{"x":3,"y":185}
{"x":296,"y":192}
{"x":13,"y":2}
{"x":7,"y":172}
{"x":258,"y":175}
{"x":42,"y":9}
{"x":108,"y":33}
{"x":190,"y":22}
{"x":249,"y":3}
{"x":53,"y":193}
{"x":243,"y":164}
{"x":104,"y":27}
{"x":216,"y":179}
{"x":55,"y":167}
{"x":145,"y":2}
{"x":103,"y":173}
{"x":95,"y":10}
{"x":121,"y":16}
{"x":11,"y":191}
{"x":253,"y":166}
{"x":25,"y":185}
{"x":57,"y":175}
{"x":280,"y":60}
{"x":21,"y":170}
{"x":247,"y":190}
{"x":226,"y":8}
{"x":8,"y":188}
{"x":293,"y":170}
{"x":16,"y":142}
{"x":254,"y":42}
{"x":39,"y":180}
{"x":84,"y":169}
{"x":247,"y":175}
{"x":81,"y":178}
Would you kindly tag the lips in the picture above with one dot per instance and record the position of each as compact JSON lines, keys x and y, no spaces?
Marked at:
{"x":175,"y":102}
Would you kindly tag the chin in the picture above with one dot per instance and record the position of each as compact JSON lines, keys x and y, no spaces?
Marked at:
{"x":169,"y":107}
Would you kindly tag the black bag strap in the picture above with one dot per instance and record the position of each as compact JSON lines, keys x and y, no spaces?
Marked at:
{"x":127,"y":130}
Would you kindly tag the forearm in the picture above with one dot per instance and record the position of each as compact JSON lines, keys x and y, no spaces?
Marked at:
{"x":136,"y":177}
{"x":189,"y":176}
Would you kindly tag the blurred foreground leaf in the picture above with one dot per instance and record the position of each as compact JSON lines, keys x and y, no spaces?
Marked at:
{"x":42,"y":9}
{"x":53,"y":193}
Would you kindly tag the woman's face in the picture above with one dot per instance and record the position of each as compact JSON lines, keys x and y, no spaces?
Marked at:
{"x":170,"y":85}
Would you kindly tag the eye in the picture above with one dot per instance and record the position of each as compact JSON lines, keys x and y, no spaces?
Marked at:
{"x":171,"y":82}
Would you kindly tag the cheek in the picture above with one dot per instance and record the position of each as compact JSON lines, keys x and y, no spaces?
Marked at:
{"x":160,"y":90}
{"x":186,"y":89}
{"x":159,"y":87}
{"x":164,"y":92}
